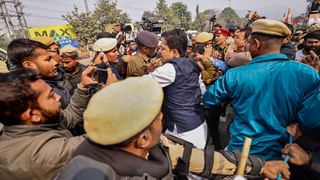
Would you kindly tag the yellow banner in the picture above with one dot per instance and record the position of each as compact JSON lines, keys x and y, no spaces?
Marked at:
{"x":56,"y":32}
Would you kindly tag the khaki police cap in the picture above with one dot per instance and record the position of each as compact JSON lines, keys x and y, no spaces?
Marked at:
{"x":123,"y":109}
{"x":104,"y":44}
{"x":270,"y":27}
{"x":315,"y":27}
{"x":44,"y":40}
{"x":68,"y":51}
{"x":204,"y":37}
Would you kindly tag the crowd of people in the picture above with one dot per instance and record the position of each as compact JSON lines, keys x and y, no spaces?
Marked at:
{"x":150,"y":108}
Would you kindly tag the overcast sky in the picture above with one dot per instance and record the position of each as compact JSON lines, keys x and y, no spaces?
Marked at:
{"x":48,"y":12}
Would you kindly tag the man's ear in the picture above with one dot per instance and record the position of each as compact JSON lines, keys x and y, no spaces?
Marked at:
{"x":29,"y":64}
{"x":31,"y":116}
{"x":26,"y":116}
{"x":258,"y":43}
{"x":176,"y":53}
{"x":144,"y":49}
{"x":144,"y":140}
{"x":36,"y":116}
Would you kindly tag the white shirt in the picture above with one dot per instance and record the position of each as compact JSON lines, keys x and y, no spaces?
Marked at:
{"x":166,"y":75}
{"x":300,"y":55}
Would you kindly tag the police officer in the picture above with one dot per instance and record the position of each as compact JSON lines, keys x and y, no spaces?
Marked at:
{"x":73,"y":69}
{"x":124,"y":123}
{"x":266,"y":94}
{"x":146,"y":46}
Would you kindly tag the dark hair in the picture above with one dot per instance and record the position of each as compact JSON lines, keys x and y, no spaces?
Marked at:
{"x":290,"y":27}
{"x":313,"y":34}
{"x":16,"y":94}
{"x":105,"y":35}
{"x":176,"y":39}
{"x":21,"y":49}
{"x":218,"y":25}
{"x":130,"y":41}
{"x":199,"y":48}
{"x":248,"y":30}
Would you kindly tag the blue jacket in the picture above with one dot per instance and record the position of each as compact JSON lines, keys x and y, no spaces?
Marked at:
{"x":266,"y":96}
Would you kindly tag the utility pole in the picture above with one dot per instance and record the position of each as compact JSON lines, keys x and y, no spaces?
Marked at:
{"x":21,"y":18}
{"x":86,"y":5}
{"x":11,"y":12}
{"x":6,"y":18}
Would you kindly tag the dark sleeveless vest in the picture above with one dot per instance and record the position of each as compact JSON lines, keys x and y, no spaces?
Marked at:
{"x":181,"y":104}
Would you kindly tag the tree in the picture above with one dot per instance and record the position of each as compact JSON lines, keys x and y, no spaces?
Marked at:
{"x":149,"y":14}
{"x":106,"y":12}
{"x":180,"y":10}
{"x":4,"y":41}
{"x":197,"y":10}
{"x":201,"y":23}
{"x":87,"y":25}
{"x":84,"y":25}
{"x":165,"y":14}
{"x":175,"y":16}
{"x":228,"y":18}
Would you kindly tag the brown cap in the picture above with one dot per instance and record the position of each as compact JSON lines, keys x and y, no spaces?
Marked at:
{"x":147,"y":39}
{"x":270,"y":27}
{"x":123,"y":109}
{"x":68,"y":51}
{"x":204,"y":37}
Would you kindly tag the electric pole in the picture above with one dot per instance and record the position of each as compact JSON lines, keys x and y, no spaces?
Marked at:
{"x":11,"y":11}
{"x":86,"y":5}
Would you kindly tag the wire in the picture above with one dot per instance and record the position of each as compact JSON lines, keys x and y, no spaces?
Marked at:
{"x":59,"y":2}
{"x":37,"y":7}
{"x":43,"y":16}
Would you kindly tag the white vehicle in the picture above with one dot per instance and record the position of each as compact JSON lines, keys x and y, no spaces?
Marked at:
{"x":3,"y":58}
{"x":3,"y":54}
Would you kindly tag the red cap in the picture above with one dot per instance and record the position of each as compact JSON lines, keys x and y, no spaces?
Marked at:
{"x":223,"y":31}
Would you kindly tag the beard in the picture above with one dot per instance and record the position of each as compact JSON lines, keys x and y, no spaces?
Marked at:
{"x":50,"y":117}
{"x":316,"y":49}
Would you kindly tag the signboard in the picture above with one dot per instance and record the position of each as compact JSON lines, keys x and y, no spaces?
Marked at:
{"x":61,"y":33}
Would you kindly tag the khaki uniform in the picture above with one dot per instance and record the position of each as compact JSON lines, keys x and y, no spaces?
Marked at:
{"x":163,"y":159}
{"x":137,"y":65}
{"x":220,"y":166}
{"x":209,"y":73}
